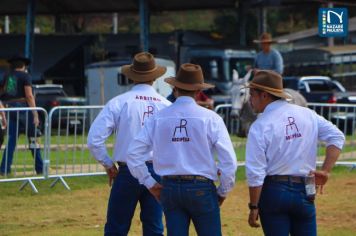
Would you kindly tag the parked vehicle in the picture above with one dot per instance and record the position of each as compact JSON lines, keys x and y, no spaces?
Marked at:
{"x":105,"y":80}
{"x":218,"y":65}
{"x":49,"y":96}
{"x":319,"y":89}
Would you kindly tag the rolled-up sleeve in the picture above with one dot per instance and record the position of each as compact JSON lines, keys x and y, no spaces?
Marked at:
{"x":256,"y":161}
{"x":99,"y":131}
{"x":227,"y":164}
{"x":329,"y":133}
{"x":136,"y":159}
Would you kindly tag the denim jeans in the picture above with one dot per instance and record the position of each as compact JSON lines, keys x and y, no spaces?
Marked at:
{"x":17,"y":123}
{"x":126,"y":192}
{"x":185,"y":200}
{"x":285,"y":209}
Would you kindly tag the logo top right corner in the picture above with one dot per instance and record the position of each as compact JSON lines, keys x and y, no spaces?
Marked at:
{"x":333,"y":22}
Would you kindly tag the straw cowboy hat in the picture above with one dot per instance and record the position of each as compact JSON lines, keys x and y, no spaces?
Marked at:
{"x":270,"y":82}
{"x":19,"y":57}
{"x":143,"y":68}
{"x":190,"y":77}
{"x":265,"y":38}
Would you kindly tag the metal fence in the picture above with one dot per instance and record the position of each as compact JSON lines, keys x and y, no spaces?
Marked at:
{"x":65,"y":153}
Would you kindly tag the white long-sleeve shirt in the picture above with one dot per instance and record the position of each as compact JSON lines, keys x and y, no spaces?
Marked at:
{"x":184,"y":138}
{"x":283,"y":141}
{"x":125,"y":115}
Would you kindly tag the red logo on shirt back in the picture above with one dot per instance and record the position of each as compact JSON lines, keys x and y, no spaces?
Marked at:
{"x":292,"y":130}
{"x":147,"y":113}
{"x":180,"y":132}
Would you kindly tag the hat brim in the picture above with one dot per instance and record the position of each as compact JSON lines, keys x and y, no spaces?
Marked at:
{"x":23,"y":59}
{"x":264,"y":41}
{"x":277,"y":94}
{"x":189,"y":87}
{"x":143,"y":77}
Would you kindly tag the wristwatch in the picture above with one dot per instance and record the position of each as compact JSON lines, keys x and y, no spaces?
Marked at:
{"x":252,"y":206}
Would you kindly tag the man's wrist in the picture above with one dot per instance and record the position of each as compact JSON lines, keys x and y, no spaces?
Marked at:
{"x":253,"y":206}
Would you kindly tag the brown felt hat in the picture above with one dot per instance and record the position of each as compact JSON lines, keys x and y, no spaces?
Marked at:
{"x":265,"y":38}
{"x":143,"y":68}
{"x":190,"y":77}
{"x":270,"y":82}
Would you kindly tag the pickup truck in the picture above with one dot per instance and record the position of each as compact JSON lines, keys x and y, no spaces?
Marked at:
{"x":319,"y":89}
{"x":49,"y":96}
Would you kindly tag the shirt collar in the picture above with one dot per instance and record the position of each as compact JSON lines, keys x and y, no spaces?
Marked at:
{"x":140,"y":87}
{"x":185,"y":99}
{"x":274,"y":105}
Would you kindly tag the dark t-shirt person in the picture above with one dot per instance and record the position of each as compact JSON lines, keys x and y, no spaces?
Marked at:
{"x":14,"y":85}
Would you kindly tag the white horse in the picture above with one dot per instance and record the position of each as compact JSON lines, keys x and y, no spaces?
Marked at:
{"x":241,"y":108}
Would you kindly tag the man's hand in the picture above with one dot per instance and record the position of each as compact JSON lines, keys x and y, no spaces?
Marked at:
{"x":156,"y":191}
{"x":321,"y":177}
{"x":112,"y":173}
{"x":252,"y":218}
{"x":221,"y":200}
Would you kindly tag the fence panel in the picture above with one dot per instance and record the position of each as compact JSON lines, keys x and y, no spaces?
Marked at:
{"x":67,"y":141}
{"x":23,"y":158}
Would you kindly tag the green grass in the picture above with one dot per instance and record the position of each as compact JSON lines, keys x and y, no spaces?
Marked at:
{"x":81,"y":211}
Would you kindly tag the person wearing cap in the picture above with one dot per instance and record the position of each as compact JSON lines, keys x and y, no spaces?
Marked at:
{"x":281,"y":154}
{"x":17,"y":93}
{"x":184,"y":138}
{"x":125,"y":115}
{"x":268,"y":58}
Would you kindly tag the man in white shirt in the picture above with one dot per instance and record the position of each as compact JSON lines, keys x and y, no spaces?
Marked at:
{"x":281,"y":154}
{"x":184,"y":138}
{"x":125,"y":115}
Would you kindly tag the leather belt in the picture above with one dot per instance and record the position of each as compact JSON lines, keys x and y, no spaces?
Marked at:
{"x":121,"y":163}
{"x":186,"y":177}
{"x":286,"y":178}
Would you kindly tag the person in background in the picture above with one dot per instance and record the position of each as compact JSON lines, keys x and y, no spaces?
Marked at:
{"x":203,"y":100}
{"x":125,"y":115}
{"x":17,"y":93}
{"x":268,"y":58}
{"x":281,"y":154}
{"x":184,"y":138}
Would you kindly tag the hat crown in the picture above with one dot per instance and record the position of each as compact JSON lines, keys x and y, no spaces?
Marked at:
{"x":190,"y":74}
{"x":266,"y":37}
{"x":143,"y":62}
{"x":269,"y":79}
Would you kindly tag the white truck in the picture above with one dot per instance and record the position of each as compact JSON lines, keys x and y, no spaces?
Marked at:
{"x":105,"y":80}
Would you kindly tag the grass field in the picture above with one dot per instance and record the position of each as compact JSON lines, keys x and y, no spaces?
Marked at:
{"x":82,"y":210}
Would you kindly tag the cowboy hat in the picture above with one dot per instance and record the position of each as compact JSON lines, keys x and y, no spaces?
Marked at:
{"x":19,"y":57}
{"x":268,"y":81}
{"x":143,"y":68}
{"x":190,"y":77}
{"x":265,"y":38}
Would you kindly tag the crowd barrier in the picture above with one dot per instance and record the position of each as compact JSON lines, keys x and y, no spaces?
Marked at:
{"x":63,"y":143}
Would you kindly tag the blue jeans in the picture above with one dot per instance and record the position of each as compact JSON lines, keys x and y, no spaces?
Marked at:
{"x":17,"y":123}
{"x":125,"y":193}
{"x":285,"y":209}
{"x":196,"y":200}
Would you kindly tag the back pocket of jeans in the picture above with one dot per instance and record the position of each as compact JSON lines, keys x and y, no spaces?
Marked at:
{"x":202,"y":200}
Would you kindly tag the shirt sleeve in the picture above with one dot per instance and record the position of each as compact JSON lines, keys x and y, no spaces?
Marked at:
{"x":329,"y":133}
{"x":227,"y":164}
{"x":278,"y":62}
{"x":256,"y":161}
{"x":136,"y":159}
{"x":102,"y":127}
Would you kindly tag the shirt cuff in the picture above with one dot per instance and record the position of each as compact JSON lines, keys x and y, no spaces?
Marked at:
{"x":107,"y":162}
{"x":150,"y":182}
